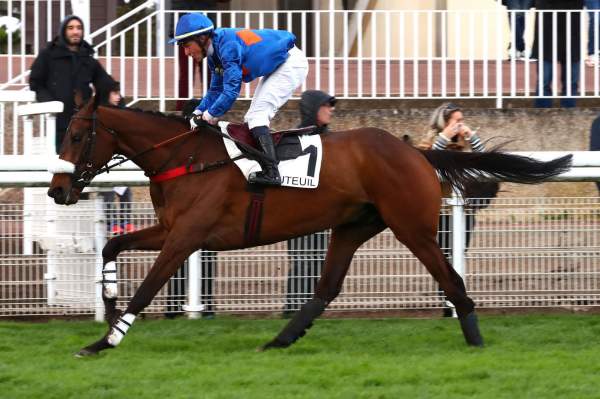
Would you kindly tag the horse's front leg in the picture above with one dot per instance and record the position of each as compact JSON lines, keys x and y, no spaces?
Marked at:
{"x":177,"y":247}
{"x":151,"y":238}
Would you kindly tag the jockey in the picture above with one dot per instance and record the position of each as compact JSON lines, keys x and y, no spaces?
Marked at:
{"x":238,"y":55}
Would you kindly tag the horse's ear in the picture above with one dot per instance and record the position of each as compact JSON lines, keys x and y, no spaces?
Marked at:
{"x":78,"y":99}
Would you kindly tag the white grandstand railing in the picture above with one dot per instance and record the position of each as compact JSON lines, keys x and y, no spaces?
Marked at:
{"x":393,"y":54}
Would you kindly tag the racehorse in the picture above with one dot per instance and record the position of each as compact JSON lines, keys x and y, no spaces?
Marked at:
{"x":369,"y":180}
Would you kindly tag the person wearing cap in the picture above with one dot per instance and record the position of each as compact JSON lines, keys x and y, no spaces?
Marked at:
{"x":237,"y":55}
{"x":307,"y":253}
{"x":66,"y":64}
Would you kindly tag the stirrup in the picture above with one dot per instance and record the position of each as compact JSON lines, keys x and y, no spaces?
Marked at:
{"x":263,"y":178}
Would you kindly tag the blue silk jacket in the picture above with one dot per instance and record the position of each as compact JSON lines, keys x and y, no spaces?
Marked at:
{"x":242,"y":55}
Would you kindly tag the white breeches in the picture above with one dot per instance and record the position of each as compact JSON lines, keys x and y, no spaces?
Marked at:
{"x":274,"y":90}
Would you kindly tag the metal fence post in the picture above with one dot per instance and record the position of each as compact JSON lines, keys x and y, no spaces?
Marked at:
{"x":51,"y":255}
{"x":99,"y":242}
{"x":458,"y":236}
{"x":160,"y":46}
{"x":194,"y":308}
{"x":28,"y":205}
{"x":51,"y":134}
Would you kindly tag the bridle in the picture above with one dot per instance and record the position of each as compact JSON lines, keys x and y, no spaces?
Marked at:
{"x":83,"y":175}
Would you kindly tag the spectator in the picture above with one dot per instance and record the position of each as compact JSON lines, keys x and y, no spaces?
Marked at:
{"x":66,"y":64}
{"x":208,"y":265}
{"x":567,"y":42}
{"x":307,"y":253}
{"x":595,"y":140}
{"x":449,"y":132}
{"x":593,"y":7}
{"x":518,"y":30}
{"x":118,"y":220}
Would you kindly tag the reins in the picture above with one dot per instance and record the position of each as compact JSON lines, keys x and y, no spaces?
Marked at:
{"x":87,"y":175}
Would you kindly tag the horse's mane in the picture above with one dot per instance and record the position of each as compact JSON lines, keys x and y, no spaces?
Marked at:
{"x":159,"y":114}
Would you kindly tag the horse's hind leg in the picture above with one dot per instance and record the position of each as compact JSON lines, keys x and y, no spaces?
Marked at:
{"x":427,"y":250}
{"x":151,"y":238}
{"x":345,"y":240}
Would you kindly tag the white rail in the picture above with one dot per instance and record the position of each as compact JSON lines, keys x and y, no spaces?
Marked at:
{"x":353,"y":54}
{"x":525,"y":252}
{"x":31,"y":171}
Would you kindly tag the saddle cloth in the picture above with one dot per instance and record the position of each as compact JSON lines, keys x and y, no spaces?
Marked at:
{"x":299,"y":156}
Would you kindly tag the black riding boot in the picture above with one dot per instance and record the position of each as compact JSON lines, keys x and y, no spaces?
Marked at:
{"x":270,"y":174}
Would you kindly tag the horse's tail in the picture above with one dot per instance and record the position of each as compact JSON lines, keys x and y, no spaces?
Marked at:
{"x":464,"y":168}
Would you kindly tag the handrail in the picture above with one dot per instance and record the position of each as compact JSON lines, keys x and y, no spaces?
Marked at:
{"x":31,"y":171}
{"x":92,"y":35}
{"x":121,"y":19}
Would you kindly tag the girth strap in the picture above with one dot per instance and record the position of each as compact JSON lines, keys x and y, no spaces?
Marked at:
{"x":254,"y":214}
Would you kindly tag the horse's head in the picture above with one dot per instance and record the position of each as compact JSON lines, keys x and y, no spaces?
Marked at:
{"x":86,"y":147}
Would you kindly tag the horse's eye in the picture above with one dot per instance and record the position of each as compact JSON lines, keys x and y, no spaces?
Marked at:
{"x":76,"y":138}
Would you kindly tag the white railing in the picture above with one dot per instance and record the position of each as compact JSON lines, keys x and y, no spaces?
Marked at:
{"x":395,"y":54}
{"x":524,"y":252}
{"x":40,"y":20}
{"x":384,"y":276}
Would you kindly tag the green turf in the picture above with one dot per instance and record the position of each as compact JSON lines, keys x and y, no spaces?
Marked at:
{"x":525,"y":357}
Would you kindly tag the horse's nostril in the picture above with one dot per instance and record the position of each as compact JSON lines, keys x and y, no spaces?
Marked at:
{"x":55,"y":192}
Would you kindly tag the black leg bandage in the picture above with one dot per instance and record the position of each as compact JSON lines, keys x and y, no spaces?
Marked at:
{"x":297,"y":327}
{"x":470,"y":328}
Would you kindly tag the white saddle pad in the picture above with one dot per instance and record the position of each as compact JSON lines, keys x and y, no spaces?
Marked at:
{"x":301,"y":172}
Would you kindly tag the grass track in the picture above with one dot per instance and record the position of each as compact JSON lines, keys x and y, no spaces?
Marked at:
{"x":525,"y":357}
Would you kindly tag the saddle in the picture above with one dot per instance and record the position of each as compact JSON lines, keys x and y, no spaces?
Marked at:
{"x":287,"y":144}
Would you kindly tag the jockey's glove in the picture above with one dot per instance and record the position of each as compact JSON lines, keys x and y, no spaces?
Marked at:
{"x":196,"y":120}
{"x":209,"y":118}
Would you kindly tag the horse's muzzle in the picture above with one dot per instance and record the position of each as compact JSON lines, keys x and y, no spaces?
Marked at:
{"x":62,"y":191}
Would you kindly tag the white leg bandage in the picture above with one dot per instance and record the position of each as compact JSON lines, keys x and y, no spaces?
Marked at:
{"x":109,"y":280}
{"x":119,"y":329}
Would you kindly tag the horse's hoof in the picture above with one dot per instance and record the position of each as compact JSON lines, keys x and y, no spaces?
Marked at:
{"x":470,"y":327}
{"x":85,"y":352}
{"x":274,"y":344}
{"x":94,"y":348}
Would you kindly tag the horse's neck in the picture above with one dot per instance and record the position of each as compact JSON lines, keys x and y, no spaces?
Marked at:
{"x":137,"y":133}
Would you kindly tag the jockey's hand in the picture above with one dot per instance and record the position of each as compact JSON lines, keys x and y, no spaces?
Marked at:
{"x":209,"y":118}
{"x":196,"y":120}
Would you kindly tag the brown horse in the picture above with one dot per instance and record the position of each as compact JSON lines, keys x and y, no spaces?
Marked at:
{"x":369,"y":180}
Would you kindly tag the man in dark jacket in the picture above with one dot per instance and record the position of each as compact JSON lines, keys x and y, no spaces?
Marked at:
{"x":307,"y":253}
{"x":64,"y":66}
{"x":545,"y":53}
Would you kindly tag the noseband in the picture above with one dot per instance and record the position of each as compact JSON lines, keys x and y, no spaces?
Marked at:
{"x":83,"y":175}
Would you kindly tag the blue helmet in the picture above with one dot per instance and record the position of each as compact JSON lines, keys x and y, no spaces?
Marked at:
{"x":190,"y":25}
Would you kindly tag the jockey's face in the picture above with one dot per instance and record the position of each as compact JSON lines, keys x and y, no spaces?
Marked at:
{"x":197,"y":48}
{"x":324,"y":115}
